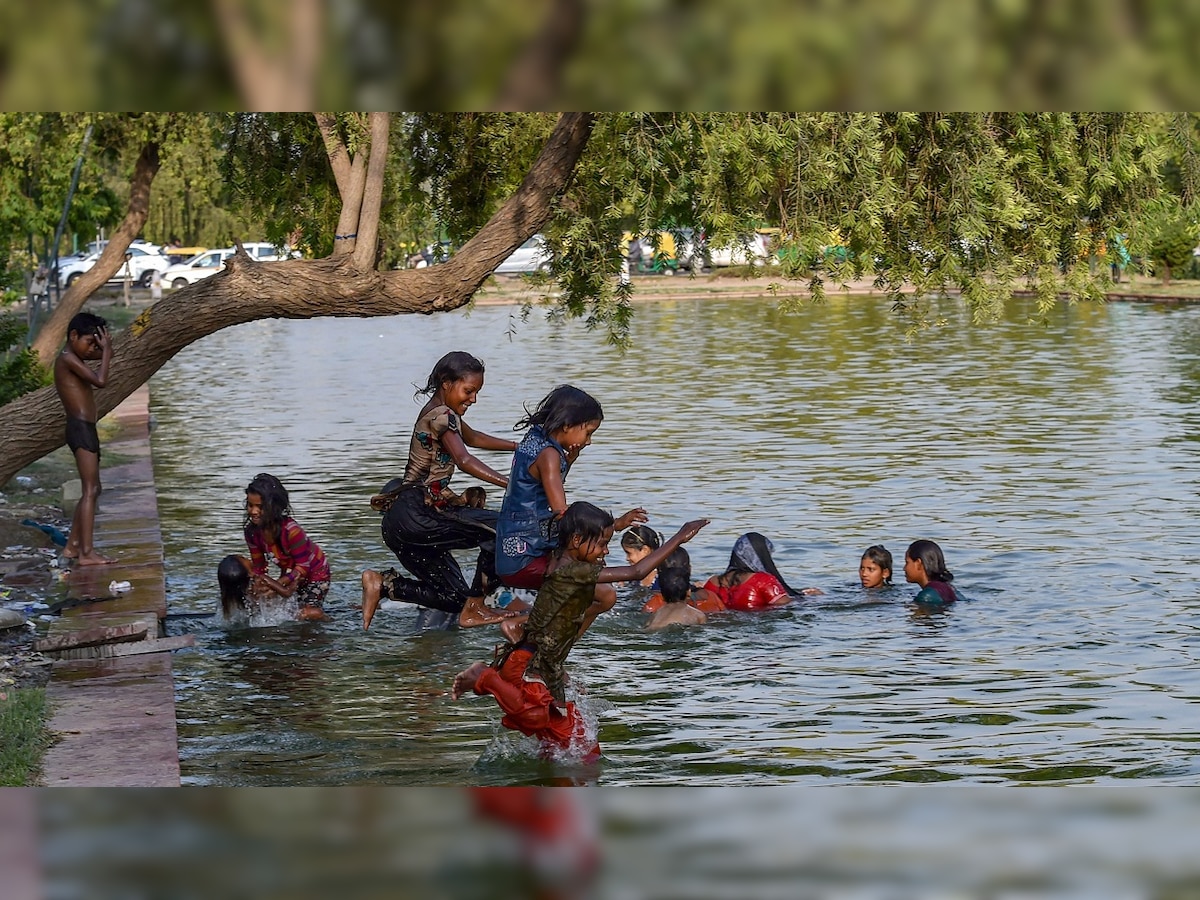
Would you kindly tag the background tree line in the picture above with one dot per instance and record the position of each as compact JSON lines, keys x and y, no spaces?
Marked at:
{"x":980,"y":202}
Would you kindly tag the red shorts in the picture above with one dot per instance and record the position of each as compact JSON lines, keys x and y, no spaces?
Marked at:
{"x":530,"y":577}
{"x":528,"y":706}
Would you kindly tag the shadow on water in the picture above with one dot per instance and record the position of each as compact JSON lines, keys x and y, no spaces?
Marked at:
{"x":1053,"y":463}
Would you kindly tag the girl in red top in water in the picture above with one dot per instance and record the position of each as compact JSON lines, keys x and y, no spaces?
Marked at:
{"x":271,"y":530}
{"x":752,"y":581}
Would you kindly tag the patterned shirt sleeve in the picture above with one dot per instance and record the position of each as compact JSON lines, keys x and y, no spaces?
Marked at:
{"x":258,"y":551}
{"x":297,"y":547}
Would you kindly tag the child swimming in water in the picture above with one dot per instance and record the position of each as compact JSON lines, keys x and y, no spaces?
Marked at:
{"x":638,"y":543}
{"x":875,"y":567}
{"x":752,"y":581}
{"x":675,"y":585}
{"x":925,"y":566}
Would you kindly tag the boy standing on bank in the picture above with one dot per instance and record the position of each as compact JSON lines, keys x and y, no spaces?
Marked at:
{"x":75,"y":381}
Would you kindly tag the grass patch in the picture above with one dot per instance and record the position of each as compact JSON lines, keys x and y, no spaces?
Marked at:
{"x":24,"y":737}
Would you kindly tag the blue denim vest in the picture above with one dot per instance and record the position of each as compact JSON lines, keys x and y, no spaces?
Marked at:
{"x":527,"y":528}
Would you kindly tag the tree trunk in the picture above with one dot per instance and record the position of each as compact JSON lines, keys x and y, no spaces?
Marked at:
{"x":33,"y":425}
{"x":54,"y":332}
{"x":1166,"y":273}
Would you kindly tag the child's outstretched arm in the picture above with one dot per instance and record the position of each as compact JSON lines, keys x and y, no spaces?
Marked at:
{"x":648,"y":564}
{"x":481,"y":441}
{"x":453,"y":444}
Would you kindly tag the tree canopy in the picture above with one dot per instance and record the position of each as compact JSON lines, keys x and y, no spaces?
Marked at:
{"x":976,"y":201}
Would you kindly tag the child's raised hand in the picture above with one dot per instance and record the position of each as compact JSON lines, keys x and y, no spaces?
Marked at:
{"x":691,"y":529}
{"x":635,"y":516}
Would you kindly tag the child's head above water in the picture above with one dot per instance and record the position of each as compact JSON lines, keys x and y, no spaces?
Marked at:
{"x":639,"y":541}
{"x":234,"y":582}
{"x":924,"y":559}
{"x":875,"y":568}
{"x":675,"y":576}
{"x":474,"y":497}
{"x":584,"y":532}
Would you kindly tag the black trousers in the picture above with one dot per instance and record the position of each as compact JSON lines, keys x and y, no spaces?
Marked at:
{"x":422,"y":537}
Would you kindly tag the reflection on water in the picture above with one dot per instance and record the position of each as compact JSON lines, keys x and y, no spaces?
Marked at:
{"x":1053,"y":463}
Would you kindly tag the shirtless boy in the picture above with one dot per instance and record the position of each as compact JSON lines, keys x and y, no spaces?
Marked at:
{"x":74,"y":379}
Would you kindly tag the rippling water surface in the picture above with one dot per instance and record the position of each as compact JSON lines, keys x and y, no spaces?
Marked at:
{"x":1055,"y":464}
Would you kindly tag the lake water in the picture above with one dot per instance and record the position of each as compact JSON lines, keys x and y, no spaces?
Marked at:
{"x":1055,"y":463}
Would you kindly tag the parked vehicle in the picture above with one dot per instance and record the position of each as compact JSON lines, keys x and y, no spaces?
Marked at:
{"x":143,"y":261}
{"x":210,"y":262}
{"x":645,"y":260}
{"x":531,"y":256}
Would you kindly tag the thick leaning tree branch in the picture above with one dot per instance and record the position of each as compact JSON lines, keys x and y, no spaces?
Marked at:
{"x":51,"y":336}
{"x":33,"y":425}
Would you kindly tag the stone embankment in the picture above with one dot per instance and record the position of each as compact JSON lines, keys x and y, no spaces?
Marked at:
{"x":113,"y":704}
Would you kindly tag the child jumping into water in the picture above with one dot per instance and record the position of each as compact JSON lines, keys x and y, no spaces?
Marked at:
{"x":270,"y":529}
{"x":925,"y":566}
{"x":424,"y":520}
{"x":526,"y":533}
{"x":875,"y":567}
{"x":529,"y":678}
{"x":75,"y":381}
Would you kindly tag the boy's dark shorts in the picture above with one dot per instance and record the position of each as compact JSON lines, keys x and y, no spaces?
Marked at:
{"x":81,"y":435}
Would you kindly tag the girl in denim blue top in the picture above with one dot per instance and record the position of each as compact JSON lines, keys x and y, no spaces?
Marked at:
{"x":527,"y":531}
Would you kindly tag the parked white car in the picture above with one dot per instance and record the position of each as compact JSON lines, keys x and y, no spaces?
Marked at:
{"x":144,"y":261}
{"x":531,"y":256}
{"x":199,"y":266}
{"x":210,"y":262}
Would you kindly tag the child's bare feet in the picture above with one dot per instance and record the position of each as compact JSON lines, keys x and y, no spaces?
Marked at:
{"x":92,"y":559}
{"x":474,"y":613}
{"x":465,"y":680}
{"x":372,"y":584}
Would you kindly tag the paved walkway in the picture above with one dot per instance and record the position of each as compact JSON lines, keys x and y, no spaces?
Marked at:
{"x":115,"y":718}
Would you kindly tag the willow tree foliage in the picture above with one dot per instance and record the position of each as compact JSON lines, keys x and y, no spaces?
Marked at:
{"x":980,"y":202}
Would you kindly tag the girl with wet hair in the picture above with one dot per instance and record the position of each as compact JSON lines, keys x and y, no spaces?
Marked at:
{"x":270,"y":530}
{"x":925,"y":566}
{"x":424,"y":520}
{"x":639,"y":542}
{"x":752,"y":580}
{"x":559,"y":429}
{"x":875,"y":567}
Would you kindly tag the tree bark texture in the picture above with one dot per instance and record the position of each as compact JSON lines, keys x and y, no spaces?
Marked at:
{"x":54,"y":332}
{"x":245,"y":291}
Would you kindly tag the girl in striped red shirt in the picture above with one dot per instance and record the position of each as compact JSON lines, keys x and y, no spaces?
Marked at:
{"x":271,"y":530}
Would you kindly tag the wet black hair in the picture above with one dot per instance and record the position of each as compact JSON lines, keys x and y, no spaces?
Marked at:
{"x":639,"y":536}
{"x":564,"y":407}
{"x":584,"y":520}
{"x":275,"y":503}
{"x":234,"y":581}
{"x":930,"y":555}
{"x":882,"y":557}
{"x":86,"y":323}
{"x":454,"y":366}
{"x":675,"y":576}
{"x":762,"y":549}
